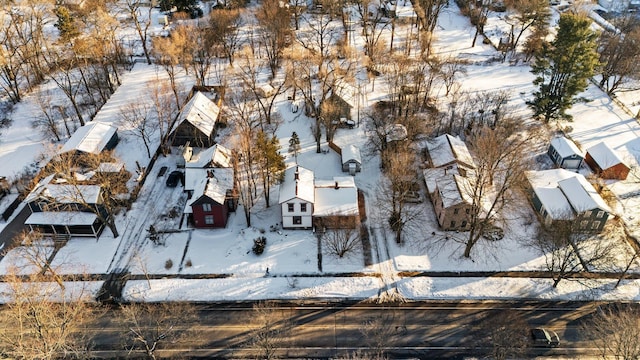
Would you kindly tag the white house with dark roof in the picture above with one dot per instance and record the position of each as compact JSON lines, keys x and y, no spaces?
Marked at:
{"x":93,"y":138}
{"x":196,"y":122}
{"x":297,"y":198}
{"x":562,"y":195}
{"x":565,"y":153}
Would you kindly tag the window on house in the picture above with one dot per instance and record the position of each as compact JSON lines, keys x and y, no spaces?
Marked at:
{"x":297,"y":220}
{"x":206,"y":207}
{"x":466,"y":211}
{"x":600,"y":214}
{"x":290,"y":207}
{"x":595,"y":225}
{"x":303,"y":207}
{"x":583,"y":224}
{"x":453,"y":224}
{"x":208,"y":219}
{"x":464,"y":224}
{"x":455,"y":211}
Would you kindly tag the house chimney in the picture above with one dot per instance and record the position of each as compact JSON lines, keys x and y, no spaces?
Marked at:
{"x":336,"y":185}
{"x":296,"y":175}
{"x":296,"y":187}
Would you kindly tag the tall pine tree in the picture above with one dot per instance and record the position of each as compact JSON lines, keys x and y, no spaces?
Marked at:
{"x":270,"y":162}
{"x":294,"y":145}
{"x":564,"y":66}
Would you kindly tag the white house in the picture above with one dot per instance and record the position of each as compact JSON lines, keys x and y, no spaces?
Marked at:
{"x":297,"y":197}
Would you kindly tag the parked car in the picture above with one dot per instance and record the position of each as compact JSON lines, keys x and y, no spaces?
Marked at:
{"x":174,"y":177}
{"x":544,"y":337}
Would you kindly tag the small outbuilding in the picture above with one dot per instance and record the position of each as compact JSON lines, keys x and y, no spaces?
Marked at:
{"x":565,"y":153}
{"x":605,"y":162}
{"x":351,"y":159}
{"x":93,"y":138}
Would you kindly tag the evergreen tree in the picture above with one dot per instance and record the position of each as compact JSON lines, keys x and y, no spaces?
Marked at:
{"x":564,"y":66}
{"x":181,"y":5}
{"x":270,"y":162}
{"x":66,"y":24}
{"x":294,"y":145}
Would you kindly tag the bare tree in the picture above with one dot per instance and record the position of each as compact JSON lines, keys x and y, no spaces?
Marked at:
{"x":275,"y":31}
{"x":47,"y":122}
{"x":140,"y":16}
{"x":620,"y":53}
{"x":271,"y":329}
{"x":42,"y":317}
{"x":169,"y":53}
{"x":148,"y":326}
{"x":615,"y":330}
{"x":428,"y":12}
{"x":340,"y":242}
{"x":527,"y":14}
{"x":499,"y":174}
{"x":135,"y":116}
{"x":378,"y":335}
{"x":569,"y":252}
{"x":508,"y":334}
{"x":225,"y":27}
{"x":373,"y":26}
{"x":165,"y":110}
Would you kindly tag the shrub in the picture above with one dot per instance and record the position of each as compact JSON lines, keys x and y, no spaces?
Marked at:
{"x":259,"y":245}
{"x":188,"y":263}
{"x":168,"y":264}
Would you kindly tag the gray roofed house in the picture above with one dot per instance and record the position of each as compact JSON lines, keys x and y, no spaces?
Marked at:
{"x":562,"y":195}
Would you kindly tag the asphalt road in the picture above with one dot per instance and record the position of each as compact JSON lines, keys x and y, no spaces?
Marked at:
{"x":426,"y":330}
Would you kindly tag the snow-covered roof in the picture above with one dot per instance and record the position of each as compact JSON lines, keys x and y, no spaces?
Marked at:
{"x":563,"y":193}
{"x":91,"y":138}
{"x":217,"y":155}
{"x":582,"y":195}
{"x":604,"y":156}
{"x":351,"y":152}
{"x":64,"y":193}
{"x":110,"y":167}
{"x":565,"y":147}
{"x":341,"y":181}
{"x":201,"y":112}
{"x":336,"y":201}
{"x":446,"y":149}
{"x":396,"y":132}
{"x":454,"y":190}
{"x":214,"y":187}
{"x":432,"y":175}
{"x":61,"y":218}
{"x":302,"y":188}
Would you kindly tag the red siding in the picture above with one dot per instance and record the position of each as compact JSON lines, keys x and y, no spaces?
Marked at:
{"x":220,"y":215}
{"x":618,"y":171}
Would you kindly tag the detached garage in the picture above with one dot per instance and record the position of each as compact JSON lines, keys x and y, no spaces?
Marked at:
{"x":565,"y":153}
{"x":605,"y":162}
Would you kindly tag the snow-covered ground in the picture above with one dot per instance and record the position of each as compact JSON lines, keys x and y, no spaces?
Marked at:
{"x":289,"y":267}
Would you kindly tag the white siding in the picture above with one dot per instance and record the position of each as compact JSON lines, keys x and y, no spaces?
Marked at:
{"x":288,"y":217}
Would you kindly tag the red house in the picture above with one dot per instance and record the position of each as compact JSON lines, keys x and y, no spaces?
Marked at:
{"x":212,"y":200}
{"x":605,"y":162}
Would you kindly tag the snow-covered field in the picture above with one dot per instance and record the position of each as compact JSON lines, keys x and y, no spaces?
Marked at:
{"x":289,"y":267}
